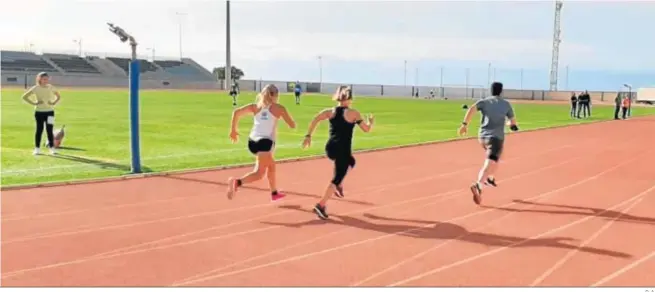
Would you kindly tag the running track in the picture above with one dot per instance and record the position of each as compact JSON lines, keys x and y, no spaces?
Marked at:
{"x":573,"y":208}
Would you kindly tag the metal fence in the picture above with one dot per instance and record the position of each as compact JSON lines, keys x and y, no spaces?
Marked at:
{"x":451,"y":92}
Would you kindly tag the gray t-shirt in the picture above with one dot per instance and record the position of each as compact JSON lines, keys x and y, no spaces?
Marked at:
{"x":494,"y":111}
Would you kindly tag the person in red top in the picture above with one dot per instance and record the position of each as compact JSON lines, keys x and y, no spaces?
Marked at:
{"x":625,"y":105}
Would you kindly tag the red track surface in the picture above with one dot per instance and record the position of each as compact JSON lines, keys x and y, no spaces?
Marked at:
{"x":573,"y":208}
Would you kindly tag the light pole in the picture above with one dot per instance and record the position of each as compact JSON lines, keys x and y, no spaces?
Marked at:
{"x":79,"y":46}
{"x":179,"y":18}
{"x":152,"y":52}
{"x":405,"y":76}
{"x":228,"y":52}
{"x":489,"y":74}
{"x":441,"y":77}
{"x":320,"y":69}
{"x":134,"y":96}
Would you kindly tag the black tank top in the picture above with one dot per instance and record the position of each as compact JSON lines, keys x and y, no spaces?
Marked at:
{"x":341,"y":131}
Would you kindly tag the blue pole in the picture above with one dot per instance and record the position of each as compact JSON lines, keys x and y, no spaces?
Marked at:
{"x":134,"y":116}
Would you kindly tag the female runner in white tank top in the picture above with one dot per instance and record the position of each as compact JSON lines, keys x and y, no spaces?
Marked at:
{"x":262,"y":138}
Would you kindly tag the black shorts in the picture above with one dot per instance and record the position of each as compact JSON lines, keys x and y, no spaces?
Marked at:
{"x":297,"y":94}
{"x":494,"y":147}
{"x":233,"y":93}
{"x":263,"y":145}
{"x":335,"y":151}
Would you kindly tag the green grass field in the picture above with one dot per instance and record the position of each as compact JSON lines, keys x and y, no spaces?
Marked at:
{"x":181,"y":130}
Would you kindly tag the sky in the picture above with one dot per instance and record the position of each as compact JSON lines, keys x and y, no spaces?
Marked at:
{"x":605,"y":44}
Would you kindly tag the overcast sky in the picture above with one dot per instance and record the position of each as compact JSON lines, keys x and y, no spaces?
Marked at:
{"x":283,"y":39}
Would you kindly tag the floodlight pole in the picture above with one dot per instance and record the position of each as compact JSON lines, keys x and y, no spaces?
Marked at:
{"x":134,"y":76}
{"x":228,"y":53}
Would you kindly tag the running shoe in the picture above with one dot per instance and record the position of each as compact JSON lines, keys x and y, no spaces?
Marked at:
{"x":477,"y":193}
{"x":277,"y":196}
{"x":490,"y":182}
{"x":320,"y":211}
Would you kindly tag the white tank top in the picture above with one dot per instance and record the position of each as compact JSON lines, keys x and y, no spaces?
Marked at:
{"x":265,"y":125}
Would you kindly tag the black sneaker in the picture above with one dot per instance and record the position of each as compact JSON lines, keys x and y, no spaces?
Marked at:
{"x":490,"y":182}
{"x":477,"y":193}
{"x":339,"y":192}
{"x":320,"y":211}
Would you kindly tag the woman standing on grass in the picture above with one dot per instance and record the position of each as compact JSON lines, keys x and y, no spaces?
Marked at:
{"x":339,"y":145}
{"x":47,"y":97}
{"x":261,"y":142}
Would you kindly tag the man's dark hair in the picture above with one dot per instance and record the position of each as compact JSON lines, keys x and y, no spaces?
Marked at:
{"x":496,"y":88}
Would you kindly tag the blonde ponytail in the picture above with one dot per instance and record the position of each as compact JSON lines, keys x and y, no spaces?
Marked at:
{"x":265,"y":97}
{"x":343,"y":93}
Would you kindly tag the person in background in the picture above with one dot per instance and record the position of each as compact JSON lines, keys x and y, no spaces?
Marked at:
{"x":297,"y":90}
{"x":574,"y":104}
{"x":617,"y":105}
{"x":583,"y":104}
{"x":234,"y":92}
{"x":625,"y":105}
{"x":587,"y":104}
{"x":47,"y":97}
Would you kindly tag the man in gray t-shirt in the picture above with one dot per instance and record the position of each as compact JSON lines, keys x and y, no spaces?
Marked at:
{"x":495,"y":111}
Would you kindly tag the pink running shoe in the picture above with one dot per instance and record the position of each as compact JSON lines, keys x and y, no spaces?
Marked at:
{"x":277,"y":196}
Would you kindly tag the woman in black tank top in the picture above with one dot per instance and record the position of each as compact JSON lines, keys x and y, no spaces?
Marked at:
{"x":339,"y":144}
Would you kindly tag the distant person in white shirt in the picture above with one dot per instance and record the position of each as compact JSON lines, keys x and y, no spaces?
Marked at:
{"x":261,"y":142}
{"x":46,"y":97}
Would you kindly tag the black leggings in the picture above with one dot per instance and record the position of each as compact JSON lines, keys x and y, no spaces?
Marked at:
{"x":46,"y":119}
{"x":343,"y":160}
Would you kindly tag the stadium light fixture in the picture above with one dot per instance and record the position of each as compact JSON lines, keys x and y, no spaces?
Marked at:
{"x":134,"y":72}
{"x":123,"y":36}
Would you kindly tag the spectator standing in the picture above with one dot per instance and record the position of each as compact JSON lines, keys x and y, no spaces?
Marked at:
{"x":617,"y":105}
{"x":625,"y":105}
{"x":574,"y":104}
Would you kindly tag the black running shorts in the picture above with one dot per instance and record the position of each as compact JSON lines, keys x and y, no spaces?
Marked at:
{"x":262,"y":145}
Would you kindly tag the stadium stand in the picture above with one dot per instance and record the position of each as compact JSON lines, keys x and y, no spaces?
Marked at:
{"x":183,"y":70}
{"x":72,"y":64}
{"x":24,"y":62}
{"x":124,"y":63}
{"x":20,"y":68}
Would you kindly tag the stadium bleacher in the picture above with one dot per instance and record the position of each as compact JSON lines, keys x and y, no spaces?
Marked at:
{"x":72,"y":64}
{"x":24,"y":62}
{"x":124,"y":63}
{"x":19,"y":68}
{"x":182,"y":70}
